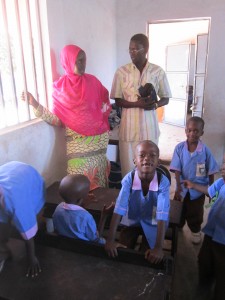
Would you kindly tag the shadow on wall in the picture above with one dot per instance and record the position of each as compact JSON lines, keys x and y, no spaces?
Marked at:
{"x":38,"y":144}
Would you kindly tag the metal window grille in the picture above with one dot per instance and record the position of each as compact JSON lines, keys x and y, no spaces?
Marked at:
{"x":21,"y":60}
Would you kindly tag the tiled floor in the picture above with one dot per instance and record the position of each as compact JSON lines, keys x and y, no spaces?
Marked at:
{"x":170,"y":136}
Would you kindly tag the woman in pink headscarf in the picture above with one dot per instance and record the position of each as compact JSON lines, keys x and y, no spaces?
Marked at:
{"x":81,"y":104}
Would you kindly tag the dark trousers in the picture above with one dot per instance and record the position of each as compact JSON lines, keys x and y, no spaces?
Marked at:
{"x":192,"y":212}
{"x":211,"y":261}
{"x":129,"y":236}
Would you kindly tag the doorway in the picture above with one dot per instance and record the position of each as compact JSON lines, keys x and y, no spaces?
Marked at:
{"x":180,"y":47}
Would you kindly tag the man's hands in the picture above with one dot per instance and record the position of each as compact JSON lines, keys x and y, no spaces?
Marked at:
{"x":145,"y":103}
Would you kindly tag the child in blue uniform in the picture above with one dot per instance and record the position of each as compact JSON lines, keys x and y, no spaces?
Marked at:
{"x":70,"y":218}
{"x":21,"y":199}
{"x":192,"y":160}
{"x":143,"y":205}
{"x":211,"y":257}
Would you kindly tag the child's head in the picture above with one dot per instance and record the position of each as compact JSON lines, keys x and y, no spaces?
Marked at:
{"x":74,"y":188}
{"x":146,"y":158}
{"x":194,"y":129}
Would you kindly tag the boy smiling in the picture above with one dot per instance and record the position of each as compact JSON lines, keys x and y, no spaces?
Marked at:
{"x":143,"y":204}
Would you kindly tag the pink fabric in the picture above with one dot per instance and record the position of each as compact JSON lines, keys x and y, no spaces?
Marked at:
{"x":80,"y":102}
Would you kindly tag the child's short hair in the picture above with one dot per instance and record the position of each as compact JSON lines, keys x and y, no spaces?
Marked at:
{"x":148,"y":142}
{"x":197,"y":120}
{"x":74,"y":186}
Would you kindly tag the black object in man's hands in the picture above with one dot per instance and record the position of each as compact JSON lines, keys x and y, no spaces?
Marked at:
{"x":147,"y":92}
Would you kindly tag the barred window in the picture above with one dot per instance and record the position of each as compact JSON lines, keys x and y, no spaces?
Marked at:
{"x":22,"y":59}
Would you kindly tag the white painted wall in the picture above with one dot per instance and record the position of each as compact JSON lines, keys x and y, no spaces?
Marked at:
{"x":37,"y":144}
{"x":132,"y":17}
{"x":91,"y":25}
{"x":103,"y":29}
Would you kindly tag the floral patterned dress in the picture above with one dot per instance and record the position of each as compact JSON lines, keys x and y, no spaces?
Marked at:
{"x":85,"y":154}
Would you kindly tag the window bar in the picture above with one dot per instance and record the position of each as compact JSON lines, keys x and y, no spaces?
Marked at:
{"x":22,"y":55}
{"x":41,"y":53}
{"x":10,"y":56}
{"x":31,"y":42}
{"x":2,"y":102}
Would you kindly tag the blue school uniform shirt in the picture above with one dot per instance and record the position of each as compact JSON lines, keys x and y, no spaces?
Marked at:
{"x":144,"y":211}
{"x":215,"y":226}
{"x":75,"y":222}
{"x":21,"y":197}
{"x":196,"y":166}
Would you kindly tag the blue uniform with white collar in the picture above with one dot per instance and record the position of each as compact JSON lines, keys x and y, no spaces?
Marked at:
{"x":211,"y":258}
{"x":21,"y":197}
{"x":141,"y":210}
{"x":215,"y":226}
{"x":196,"y":166}
{"x":75,"y":222}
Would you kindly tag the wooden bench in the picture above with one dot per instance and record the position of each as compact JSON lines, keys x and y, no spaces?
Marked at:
{"x":106,"y":196}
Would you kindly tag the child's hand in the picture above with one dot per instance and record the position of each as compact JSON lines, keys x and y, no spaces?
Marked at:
{"x":177,"y":195}
{"x":111,"y":248}
{"x":154,"y":255}
{"x":188,"y":184}
{"x":109,"y":209}
{"x":34,"y":268}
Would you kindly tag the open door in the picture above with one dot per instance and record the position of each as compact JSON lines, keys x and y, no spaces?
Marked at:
{"x":200,"y":73}
{"x":178,"y":60}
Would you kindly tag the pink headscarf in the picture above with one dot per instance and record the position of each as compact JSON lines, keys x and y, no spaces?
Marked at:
{"x":81,"y":102}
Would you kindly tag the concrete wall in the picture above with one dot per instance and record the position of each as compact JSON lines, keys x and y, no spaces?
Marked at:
{"x":103,"y":29}
{"x":91,"y":25}
{"x":132,"y":17}
{"x":38,"y":144}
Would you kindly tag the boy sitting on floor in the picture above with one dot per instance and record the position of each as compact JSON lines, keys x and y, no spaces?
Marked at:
{"x":70,"y":218}
{"x":144,"y":205}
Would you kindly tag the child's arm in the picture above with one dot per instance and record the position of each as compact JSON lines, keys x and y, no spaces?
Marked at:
{"x":211,"y":180}
{"x":34,"y":266}
{"x":198,"y":187}
{"x":156,"y":254}
{"x":178,"y":191}
{"x":111,"y":245}
{"x":104,"y":214}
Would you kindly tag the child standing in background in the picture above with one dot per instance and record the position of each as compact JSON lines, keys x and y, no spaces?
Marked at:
{"x":143,"y":204}
{"x":192,"y":160}
{"x":70,"y":218}
{"x":211,"y":257}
